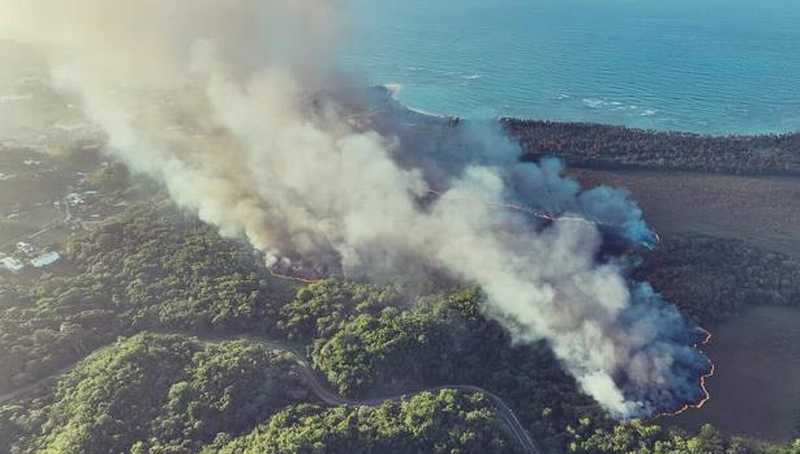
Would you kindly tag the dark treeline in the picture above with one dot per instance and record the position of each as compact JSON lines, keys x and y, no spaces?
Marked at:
{"x":711,"y":279}
{"x":616,"y":147}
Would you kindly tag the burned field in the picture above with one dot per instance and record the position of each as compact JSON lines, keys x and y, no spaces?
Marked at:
{"x":757,"y":351}
{"x":730,"y":260}
{"x":762,"y":211}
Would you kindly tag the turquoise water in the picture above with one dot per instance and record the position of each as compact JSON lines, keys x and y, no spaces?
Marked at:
{"x":711,"y":66}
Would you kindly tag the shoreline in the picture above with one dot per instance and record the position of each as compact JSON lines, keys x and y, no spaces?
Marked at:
{"x":391,"y":89}
{"x":613,"y":147}
{"x":653,"y":131}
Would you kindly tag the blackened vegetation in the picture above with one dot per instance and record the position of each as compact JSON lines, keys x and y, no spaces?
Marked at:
{"x":713,"y":278}
{"x":616,"y":147}
{"x":797,"y":423}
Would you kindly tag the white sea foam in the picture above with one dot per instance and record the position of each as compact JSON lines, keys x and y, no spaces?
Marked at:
{"x":393,"y":88}
{"x":593,"y":103}
{"x":424,"y":112}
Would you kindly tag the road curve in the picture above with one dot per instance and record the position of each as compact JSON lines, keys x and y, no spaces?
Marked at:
{"x":323,"y":391}
{"x":327,"y":395}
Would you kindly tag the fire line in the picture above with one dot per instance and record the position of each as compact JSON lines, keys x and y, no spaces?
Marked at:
{"x":552,"y":217}
{"x":703,"y":381}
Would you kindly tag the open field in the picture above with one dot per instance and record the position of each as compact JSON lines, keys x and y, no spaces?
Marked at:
{"x":756,"y":390}
{"x":730,"y":242}
{"x":764,"y":211}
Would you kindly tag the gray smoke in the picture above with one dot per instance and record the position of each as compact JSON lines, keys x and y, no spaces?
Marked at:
{"x":238,"y":108}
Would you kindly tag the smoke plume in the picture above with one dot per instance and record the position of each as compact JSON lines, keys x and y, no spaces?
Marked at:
{"x":238,"y":108}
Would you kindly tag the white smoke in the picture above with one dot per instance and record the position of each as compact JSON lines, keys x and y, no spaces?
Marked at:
{"x":224,"y":102}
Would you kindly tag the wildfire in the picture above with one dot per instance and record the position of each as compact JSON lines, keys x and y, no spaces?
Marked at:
{"x":703,"y":379}
{"x":508,"y":206}
{"x":547,"y":216}
{"x":551,"y":217}
{"x":525,"y":209}
{"x":521,"y":208}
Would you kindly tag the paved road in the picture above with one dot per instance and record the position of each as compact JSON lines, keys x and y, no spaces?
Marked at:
{"x":323,"y":391}
{"x":44,"y":229}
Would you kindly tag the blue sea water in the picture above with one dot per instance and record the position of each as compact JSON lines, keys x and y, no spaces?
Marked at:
{"x":709,"y":66}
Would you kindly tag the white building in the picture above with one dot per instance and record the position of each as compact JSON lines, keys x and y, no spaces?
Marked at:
{"x":25,"y":248}
{"x":46,"y":260}
{"x":74,"y":199}
{"x":11,"y":264}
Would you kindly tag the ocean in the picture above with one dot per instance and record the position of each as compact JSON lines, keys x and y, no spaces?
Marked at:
{"x":706,"y":66}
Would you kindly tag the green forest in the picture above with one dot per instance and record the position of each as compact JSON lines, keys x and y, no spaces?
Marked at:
{"x":163,"y":337}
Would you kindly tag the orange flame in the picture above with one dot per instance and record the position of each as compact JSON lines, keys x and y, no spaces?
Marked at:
{"x":541,"y":214}
{"x":551,"y":217}
{"x":521,"y":208}
{"x":703,"y":381}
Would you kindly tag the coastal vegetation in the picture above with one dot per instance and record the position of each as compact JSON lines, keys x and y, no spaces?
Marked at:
{"x":618,"y":147}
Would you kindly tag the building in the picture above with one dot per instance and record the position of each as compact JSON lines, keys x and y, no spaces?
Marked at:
{"x":26,"y":248}
{"x":46,"y":260}
{"x":11,"y":264}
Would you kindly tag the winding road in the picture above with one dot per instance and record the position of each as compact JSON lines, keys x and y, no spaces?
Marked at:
{"x":330,"y":397}
{"x":326,"y":394}
{"x":323,"y":391}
